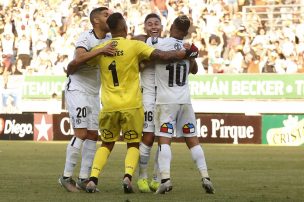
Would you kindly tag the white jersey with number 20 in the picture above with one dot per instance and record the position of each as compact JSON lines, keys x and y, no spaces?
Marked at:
{"x":87,"y":78}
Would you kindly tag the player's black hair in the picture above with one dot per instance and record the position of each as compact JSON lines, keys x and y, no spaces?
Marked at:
{"x":113,"y":21}
{"x":152,"y":15}
{"x":96,"y":11}
{"x":182,"y":23}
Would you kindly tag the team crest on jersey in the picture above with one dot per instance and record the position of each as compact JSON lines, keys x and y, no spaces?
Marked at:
{"x":177,"y":46}
{"x":166,"y":128}
{"x":107,"y":134}
{"x":188,"y":128}
{"x":114,"y":43}
{"x":131,"y":134}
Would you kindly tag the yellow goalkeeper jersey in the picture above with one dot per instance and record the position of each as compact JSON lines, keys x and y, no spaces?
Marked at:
{"x":120,"y":86}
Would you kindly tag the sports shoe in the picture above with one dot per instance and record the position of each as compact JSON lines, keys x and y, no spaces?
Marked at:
{"x":154,"y":185}
{"x":207,"y":185}
{"x":68,"y":183}
{"x":81,"y":184}
{"x":143,"y":185}
{"x":91,"y":187}
{"x":127,"y":186}
{"x":164,"y":187}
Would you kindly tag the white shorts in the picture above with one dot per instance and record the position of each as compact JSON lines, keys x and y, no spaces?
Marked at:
{"x":149,"y":97}
{"x":83,"y":109}
{"x":149,"y":108}
{"x":175,"y":120}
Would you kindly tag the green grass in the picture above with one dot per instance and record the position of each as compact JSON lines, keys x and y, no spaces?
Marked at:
{"x":29,"y":172}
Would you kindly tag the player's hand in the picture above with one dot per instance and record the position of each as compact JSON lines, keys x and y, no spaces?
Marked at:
{"x":192,"y":52}
{"x":108,"y":49}
{"x":187,"y":45}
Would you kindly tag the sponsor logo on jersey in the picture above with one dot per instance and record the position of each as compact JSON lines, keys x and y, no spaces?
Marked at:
{"x":188,"y":128}
{"x":145,"y":125}
{"x":114,"y":43}
{"x":78,"y":121}
{"x":166,"y":128}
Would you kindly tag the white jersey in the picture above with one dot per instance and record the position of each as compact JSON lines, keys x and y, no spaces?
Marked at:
{"x":147,"y":79}
{"x":87,"y":78}
{"x":172,"y":78}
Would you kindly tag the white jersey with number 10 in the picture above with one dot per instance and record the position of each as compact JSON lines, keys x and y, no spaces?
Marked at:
{"x":172,"y":78}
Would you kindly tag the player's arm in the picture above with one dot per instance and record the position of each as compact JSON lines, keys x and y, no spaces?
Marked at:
{"x":193,"y":66}
{"x":167,"y":55}
{"x":82,"y":56}
{"x":141,"y":37}
{"x":174,"y":54}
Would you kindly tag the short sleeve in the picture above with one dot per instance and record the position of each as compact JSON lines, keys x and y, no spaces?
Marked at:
{"x":95,"y":60}
{"x":144,"y":51}
{"x":83,"y":41}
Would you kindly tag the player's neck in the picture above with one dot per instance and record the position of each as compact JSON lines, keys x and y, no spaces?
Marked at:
{"x":176,"y":36}
{"x":115,"y":35}
{"x":100,"y":34}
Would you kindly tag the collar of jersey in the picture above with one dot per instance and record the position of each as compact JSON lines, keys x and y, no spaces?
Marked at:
{"x":117,"y":38}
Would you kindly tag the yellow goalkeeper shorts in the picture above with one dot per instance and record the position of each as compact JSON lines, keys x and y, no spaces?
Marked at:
{"x":128,"y":122}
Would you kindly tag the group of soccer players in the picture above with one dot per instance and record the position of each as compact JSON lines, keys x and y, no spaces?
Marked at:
{"x":162,"y":104}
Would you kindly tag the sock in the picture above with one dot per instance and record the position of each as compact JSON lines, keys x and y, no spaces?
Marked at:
{"x":72,"y":153}
{"x":164,"y":160}
{"x":131,"y":160}
{"x":100,"y":161}
{"x":199,"y":158}
{"x":88,"y":153}
{"x":156,"y":173}
{"x":144,"y":156}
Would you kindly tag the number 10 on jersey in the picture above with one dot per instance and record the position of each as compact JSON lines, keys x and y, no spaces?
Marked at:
{"x":180,"y":71}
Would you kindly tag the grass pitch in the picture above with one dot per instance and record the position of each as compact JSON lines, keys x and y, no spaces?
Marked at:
{"x":29,"y":171}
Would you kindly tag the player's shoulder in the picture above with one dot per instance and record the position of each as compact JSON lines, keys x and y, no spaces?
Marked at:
{"x":141,"y":37}
{"x":107,"y":37}
{"x":87,"y":33}
{"x":155,"y":41}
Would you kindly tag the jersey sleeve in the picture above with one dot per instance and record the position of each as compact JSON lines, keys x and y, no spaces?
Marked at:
{"x":83,"y":42}
{"x":95,"y":60}
{"x":144,"y":51}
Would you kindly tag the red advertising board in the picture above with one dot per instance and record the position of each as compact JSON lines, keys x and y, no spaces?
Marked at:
{"x":62,"y":127}
{"x":229,"y":128}
{"x":16,"y":126}
{"x":43,"y":130}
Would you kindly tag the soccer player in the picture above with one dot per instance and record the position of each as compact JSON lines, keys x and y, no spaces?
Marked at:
{"x":153,"y":28}
{"x":173,"y":110}
{"x":82,"y":97}
{"x":121,"y":98}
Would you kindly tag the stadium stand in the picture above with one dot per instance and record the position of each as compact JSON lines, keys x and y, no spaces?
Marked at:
{"x":234,"y":36}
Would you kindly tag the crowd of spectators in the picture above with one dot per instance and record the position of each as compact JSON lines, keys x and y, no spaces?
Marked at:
{"x":38,"y":36}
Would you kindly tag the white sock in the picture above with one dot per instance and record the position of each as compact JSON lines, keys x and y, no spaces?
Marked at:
{"x":164,"y":160}
{"x":87,"y":157}
{"x":72,"y":153}
{"x":156,"y":173}
{"x":144,"y":156}
{"x":199,"y":158}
